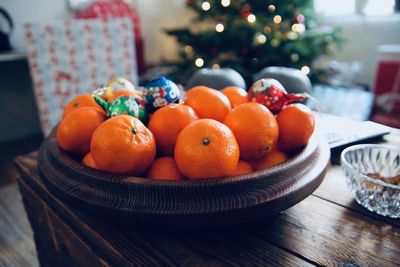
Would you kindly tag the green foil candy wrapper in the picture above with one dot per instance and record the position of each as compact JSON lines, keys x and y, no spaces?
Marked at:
{"x":131,"y":105}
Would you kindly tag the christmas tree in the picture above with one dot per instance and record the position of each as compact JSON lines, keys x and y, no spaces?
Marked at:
{"x":251,"y":35}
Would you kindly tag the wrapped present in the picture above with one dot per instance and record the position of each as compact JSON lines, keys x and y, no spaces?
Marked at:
{"x":66,"y":59}
{"x":110,"y":9}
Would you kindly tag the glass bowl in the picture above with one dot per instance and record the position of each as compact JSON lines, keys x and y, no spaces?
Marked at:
{"x":359,"y":163}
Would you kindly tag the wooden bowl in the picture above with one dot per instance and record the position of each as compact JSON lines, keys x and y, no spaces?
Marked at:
{"x":183,"y":205}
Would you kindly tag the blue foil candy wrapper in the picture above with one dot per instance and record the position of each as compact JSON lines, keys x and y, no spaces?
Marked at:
{"x":161,"y":92}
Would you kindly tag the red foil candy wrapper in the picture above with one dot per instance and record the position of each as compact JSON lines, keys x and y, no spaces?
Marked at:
{"x":270,"y":93}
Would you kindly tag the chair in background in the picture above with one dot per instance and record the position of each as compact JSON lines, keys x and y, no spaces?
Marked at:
{"x":68,"y":58}
{"x":387,"y":94}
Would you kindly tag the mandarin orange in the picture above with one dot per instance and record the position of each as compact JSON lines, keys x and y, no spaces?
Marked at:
{"x":206,"y":148}
{"x":89,"y":161}
{"x":75,"y":131}
{"x":272,"y":158}
{"x":84,"y":100}
{"x":164,"y":168}
{"x":123,"y":145}
{"x":296,"y":125}
{"x":243,"y":167}
{"x":167,"y":122}
{"x":236,"y":95}
{"x":208,"y":103}
{"x":255,"y":129}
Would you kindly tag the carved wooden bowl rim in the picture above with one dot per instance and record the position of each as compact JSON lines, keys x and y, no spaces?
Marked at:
{"x":277,"y":188}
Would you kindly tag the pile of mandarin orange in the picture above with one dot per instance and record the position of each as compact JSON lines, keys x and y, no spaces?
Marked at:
{"x":212,"y":134}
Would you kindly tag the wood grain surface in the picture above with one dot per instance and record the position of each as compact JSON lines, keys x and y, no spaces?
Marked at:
{"x":184,"y":205}
{"x":16,"y":243}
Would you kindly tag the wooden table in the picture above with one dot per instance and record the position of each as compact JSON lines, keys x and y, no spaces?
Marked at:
{"x":328,"y":228}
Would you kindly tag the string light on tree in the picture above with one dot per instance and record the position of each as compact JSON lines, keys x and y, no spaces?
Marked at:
{"x":225,"y":3}
{"x":199,"y":62}
{"x":291,"y":35}
{"x":271,"y":8}
{"x":277,"y":19}
{"x":274,"y":42}
{"x":299,"y":19}
{"x":205,"y":6}
{"x":267,"y":29}
{"x":298,"y":27}
{"x":294,"y":57}
{"x":260,"y":38}
{"x":251,"y":18}
{"x":305,"y":70}
{"x":219,"y":27}
{"x":188,"y":49}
